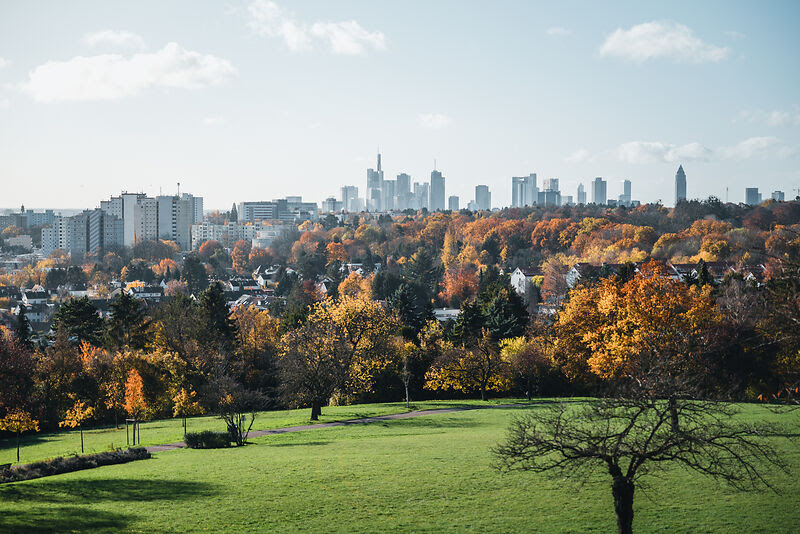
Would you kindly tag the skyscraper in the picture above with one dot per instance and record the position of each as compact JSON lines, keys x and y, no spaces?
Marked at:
{"x":599,"y":195}
{"x":778,"y":196}
{"x":483,"y":198}
{"x":680,"y":185}
{"x":752,"y":196}
{"x":437,"y":191}
{"x":452,"y":203}
{"x":581,"y":194}
{"x":374,"y":198}
{"x":523,"y":190}
{"x":625,"y":197}
{"x":349,"y":196}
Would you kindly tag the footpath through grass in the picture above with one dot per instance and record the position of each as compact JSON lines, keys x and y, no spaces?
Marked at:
{"x":34,"y":447}
{"x":427,"y":474}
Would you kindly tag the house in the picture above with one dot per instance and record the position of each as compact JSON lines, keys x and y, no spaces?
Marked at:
{"x":446,"y":314}
{"x":242,"y":284}
{"x":11,"y":293}
{"x":36,"y":295}
{"x":582,"y":270}
{"x":521,"y":280}
{"x":153,"y":293}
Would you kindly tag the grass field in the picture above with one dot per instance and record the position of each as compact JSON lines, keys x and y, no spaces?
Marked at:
{"x":428,"y":474}
{"x":40,"y":446}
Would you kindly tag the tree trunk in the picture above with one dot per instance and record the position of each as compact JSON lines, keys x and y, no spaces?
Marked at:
{"x":407,"y":398}
{"x":316,"y":410}
{"x":80,"y":427}
{"x":17,"y":446}
{"x":622,"y":489}
{"x":530,"y":385}
{"x":673,"y":414}
{"x":184,"y":425}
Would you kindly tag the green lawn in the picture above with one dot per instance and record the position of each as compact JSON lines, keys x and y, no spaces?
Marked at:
{"x":429,"y":474}
{"x":40,"y":446}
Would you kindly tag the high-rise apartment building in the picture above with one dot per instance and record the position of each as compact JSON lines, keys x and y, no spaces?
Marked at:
{"x":680,"y":185}
{"x":452,"y":203}
{"x":91,"y":231}
{"x":581,"y":194}
{"x":437,"y":191}
{"x":175,"y":218}
{"x":752,"y":196}
{"x":483,"y":197}
{"x":599,"y":191}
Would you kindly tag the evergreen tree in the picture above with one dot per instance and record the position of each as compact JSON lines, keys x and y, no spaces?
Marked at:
{"x":23,"y":330}
{"x":194,"y":274}
{"x":233,"y":216}
{"x":79,"y":320}
{"x":413,"y":308}
{"x":215,"y":316}
{"x":703,"y":276}
{"x":127,"y":326}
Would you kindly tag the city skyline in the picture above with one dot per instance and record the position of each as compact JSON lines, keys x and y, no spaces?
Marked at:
{"x":111,"y":101}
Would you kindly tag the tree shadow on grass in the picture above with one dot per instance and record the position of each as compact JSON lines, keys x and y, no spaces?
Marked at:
{"x":55,"y":505}
{"x":82,"y":490}
{"x":61,"y":519}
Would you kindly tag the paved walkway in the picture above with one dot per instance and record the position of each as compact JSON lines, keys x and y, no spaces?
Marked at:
{"x":363,"y":420}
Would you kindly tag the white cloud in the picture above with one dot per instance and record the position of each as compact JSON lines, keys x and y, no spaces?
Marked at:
{"x":661,"y":40}
{"x":115,"y":38}
{"x":558,"y":30}
{"x":5,"y":103}
{"x":433,"y":121}
{"x":579,"y":156}
{"x":643,"y":152}
{"x":777,"y":117}
{"x":345,"y":38}
{"x":213,"y":121}
{"x":112,"y":76}
{"x":4,"y":62}
{"x":651,"y":152}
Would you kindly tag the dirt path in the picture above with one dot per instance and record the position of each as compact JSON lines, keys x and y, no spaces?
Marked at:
{"x":362,"y":421}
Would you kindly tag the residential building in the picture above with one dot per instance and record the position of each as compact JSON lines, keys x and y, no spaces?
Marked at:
{"x":91,"y":231}
{"x":452,"y":203}
{"x":138,"y":213}
{"x":22,"y":241}
{"x":778,"y":196}
{"x":680,"y":185}
{"x":290,"y":209}
{"x":599,"y":192}
{"x":227,"y":234}
{"x":175,"y":218}
{"x":752,"y":196}
{"x":483,"y":197}
{"x":436,"y":191}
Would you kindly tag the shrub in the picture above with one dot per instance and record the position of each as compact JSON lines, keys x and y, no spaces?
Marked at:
{"x":57,"y":466}
{"x":207,"y":439}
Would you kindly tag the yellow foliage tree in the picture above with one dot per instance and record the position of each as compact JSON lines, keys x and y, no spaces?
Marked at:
{"x":18,"y":421}
{"x":76,"y":415}
{"x":186,"y":405}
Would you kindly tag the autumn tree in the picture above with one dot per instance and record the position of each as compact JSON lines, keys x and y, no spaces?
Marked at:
{"x":241,"y":256}
{"x":18,"y":421}
{"x":257,"y":339}
{"x":16,"y":372}
{"x":338,"y":349}
{"x":186,"y":405}
{"x":234,"y":403}
{"x":76,"y":416}
{"x":529,"y":359}
{"x":135,"y":403}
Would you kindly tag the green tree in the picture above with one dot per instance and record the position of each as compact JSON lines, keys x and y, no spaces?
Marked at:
{"x":194,"y":274}
{"x":23,"y":328}
{"x":215,"y":317}
{"x":78,"y":318}
{"x":127,"y":326}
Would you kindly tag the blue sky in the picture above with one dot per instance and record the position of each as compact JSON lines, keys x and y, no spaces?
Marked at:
{"x":258,"y":100}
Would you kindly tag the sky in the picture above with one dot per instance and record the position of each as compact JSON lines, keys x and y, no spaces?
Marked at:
{"x":257,"y":100}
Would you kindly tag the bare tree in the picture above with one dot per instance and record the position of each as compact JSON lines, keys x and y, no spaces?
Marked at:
{"x":235,"y":404}
{"x":632,"y":437}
